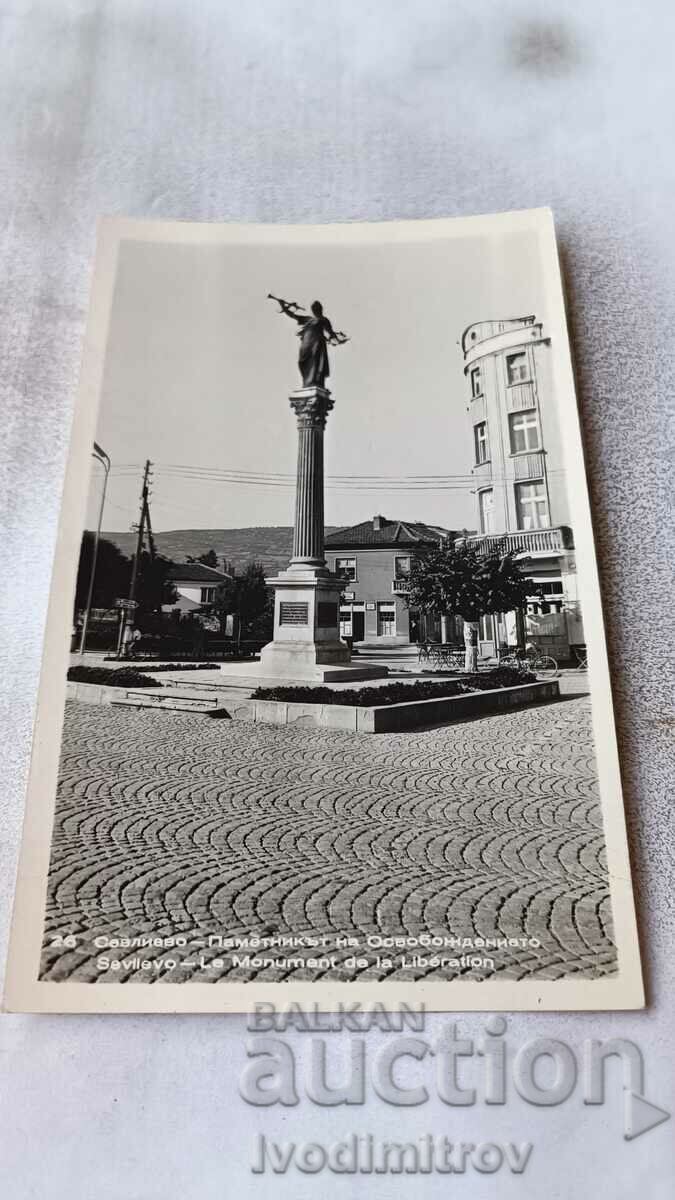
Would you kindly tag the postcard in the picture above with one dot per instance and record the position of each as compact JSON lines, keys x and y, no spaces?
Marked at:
{"x":325,"y":716}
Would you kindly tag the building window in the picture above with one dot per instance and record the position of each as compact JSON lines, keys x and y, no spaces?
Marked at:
{"x":480,"y":440}
{"x":531,"y":505}
{"x":386,"y":620}
{"x":208,"y":595}
{"x":486,"y":502}
{"x":547,"y":596}
{"x":401,"y":566}
{"x":347,"y":567}
{"x":544,"y":608}
{"x":476,"y":382}
{"x":524,"y":431}
{"x":517,"y":368}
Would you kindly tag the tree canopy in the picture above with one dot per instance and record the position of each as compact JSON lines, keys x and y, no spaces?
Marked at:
{"x":209,"y":559}
{"x":153,"y":589}
{"x":457,"y":579}
{"x":248,"y":597}
{"x":113,"y":577}
{"x":113,"y":573}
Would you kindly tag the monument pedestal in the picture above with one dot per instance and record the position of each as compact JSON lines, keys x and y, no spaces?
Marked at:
{"x":307,"y":644}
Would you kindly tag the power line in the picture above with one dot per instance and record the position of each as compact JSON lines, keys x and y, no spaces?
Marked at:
{"x":174,"y":468}
{"x":354,"y":485}
{"x":282,"y":479}
{"x":470,"y":484}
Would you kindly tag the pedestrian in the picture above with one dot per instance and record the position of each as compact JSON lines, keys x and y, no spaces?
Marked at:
{"x":130,"y":639}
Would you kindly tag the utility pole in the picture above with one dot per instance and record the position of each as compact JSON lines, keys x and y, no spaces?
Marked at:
{"x":153,"y":553}
{"x":151,"y":540}
{"x":100,"y":456}
{"x":144,"y":516}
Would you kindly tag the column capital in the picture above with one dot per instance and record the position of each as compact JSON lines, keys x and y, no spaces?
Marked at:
{"x":311,"y":406}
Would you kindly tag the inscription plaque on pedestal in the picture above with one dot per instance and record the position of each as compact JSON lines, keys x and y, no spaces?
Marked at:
{"x":293,"y":612}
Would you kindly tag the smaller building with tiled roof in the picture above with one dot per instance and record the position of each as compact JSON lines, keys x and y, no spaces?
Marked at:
{"x":196,"y":572}
{"x":380,"y":531}
{"x":375,"y":558}
{"x":196,"y":586}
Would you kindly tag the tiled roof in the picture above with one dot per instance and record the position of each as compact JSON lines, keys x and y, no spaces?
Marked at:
{"x":195,"y":573}
{"x":389,"y":533}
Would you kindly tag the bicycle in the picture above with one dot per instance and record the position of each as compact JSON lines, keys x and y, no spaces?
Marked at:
{"x":531,"y":659}
{"x":424,"y":652}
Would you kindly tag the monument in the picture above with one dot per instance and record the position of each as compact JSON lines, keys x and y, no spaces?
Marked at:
{"x":306,"y":643}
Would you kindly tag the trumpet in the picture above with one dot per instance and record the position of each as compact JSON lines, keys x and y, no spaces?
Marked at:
{"x":285,"y":303}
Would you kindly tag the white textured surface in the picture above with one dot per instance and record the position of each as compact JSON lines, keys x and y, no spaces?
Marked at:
{"x":358,"y":110}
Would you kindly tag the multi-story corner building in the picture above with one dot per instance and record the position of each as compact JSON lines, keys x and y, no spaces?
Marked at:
{"x":375,"y":558}
{"x":521,"y":491}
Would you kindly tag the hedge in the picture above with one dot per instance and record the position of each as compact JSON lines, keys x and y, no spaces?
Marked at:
{"x":398,"y":693}
{"x":125,"y":677}
{"x":196,"y":666}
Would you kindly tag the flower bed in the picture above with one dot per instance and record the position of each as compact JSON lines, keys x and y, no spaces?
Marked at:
{"x":124,"y":677}
{"x":398,"y":693}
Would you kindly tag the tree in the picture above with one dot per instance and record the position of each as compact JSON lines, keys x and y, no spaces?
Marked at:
{"x":247,"y":597}
{"x":153,"y":588}
{"x":457,"y":579}
{"x":210,"y":559}
{"x":113,"y":573}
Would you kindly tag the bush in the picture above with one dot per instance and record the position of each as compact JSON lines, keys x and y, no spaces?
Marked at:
{"x":198,"y":666}
{"x":389,"y":694}
{"x":498,"y":677}
{"x":398,"y":693}
{"x":100,"y":638}
{"x":125,"y":677}
{"x":393,"y":693}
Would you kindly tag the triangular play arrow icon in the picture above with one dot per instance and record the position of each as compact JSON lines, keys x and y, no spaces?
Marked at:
{"x":639,"y":1115}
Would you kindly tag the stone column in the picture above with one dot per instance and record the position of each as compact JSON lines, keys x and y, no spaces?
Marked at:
{"x":311,"y":407}
{"x":307,"y":645}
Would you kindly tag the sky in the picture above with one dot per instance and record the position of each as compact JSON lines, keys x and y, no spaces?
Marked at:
{"x":199,"y":366}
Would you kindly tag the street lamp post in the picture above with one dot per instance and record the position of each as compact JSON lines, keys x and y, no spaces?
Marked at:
{"x":100,"y":456}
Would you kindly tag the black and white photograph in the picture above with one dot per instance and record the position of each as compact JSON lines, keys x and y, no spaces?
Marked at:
{"x":325,"y":707}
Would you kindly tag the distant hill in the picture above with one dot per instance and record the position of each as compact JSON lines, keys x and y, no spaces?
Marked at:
{"x":269,"y":545}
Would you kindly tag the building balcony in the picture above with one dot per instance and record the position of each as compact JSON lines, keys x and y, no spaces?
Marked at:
{"x":520,"y":396}
{"x":400,"y":587}
{"x":530,"y":543}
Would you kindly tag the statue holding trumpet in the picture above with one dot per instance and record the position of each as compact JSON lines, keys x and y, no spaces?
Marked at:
{"x":316,"y":333}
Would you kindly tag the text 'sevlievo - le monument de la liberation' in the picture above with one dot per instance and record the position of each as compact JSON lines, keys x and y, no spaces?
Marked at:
{"x":306,"y":645}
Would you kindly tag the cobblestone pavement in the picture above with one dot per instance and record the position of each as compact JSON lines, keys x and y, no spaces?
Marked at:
{"x":168,"y":825}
